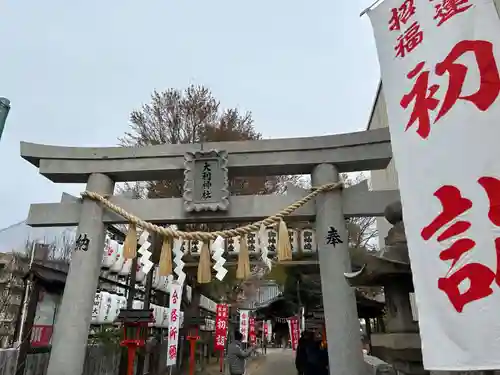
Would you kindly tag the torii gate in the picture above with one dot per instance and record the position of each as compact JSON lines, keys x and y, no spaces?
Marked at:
{"x":323,"y":157}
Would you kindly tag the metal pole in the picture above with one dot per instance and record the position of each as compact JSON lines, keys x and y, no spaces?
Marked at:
{"x":25,"y":299}
{"x":4,"y":112}
{"x":122,"y":369}
{"x":69,"y":342}
{"x":156,"y":242}
{"x":341,"y":317}
{"x":28,"y":326}
{"x":141,"y":355}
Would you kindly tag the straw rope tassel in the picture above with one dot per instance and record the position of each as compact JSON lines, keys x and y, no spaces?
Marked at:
{"x":166,"y":258}
{"x":204,"y":267}
{"x":130,"y":244}
{"x":284,"y":246}
{"x":243,"y":271}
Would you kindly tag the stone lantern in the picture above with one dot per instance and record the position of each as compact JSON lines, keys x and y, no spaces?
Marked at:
{"x":397,"y":340}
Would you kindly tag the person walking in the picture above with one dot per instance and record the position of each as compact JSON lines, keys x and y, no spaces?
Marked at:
{"x":236,"y":356}
{"x":300,"y":355}
{"x":314,"y":356}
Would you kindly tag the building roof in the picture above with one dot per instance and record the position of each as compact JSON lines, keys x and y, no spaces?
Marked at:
{"x":379,"y":90}
{"x":15,"y":237}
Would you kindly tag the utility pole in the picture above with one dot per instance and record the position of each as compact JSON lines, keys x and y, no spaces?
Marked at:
{"x":4,"y":112}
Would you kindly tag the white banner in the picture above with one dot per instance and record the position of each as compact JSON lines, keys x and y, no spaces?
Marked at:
{"x":174,"y":322}
{"x":439,"y":62}
{"x":269,"y":330}
{"x":289,"y":329}
{"x":244,"y":324}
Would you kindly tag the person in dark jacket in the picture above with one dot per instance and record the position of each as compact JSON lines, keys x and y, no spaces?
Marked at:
{"x":313,"y":357}
{"x":323,"y":361}
{"x":300,"y":355}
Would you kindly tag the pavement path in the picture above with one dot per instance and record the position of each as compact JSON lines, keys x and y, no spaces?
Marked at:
{"x":276,"y":362}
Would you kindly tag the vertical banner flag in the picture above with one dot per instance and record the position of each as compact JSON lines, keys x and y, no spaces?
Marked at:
{"x":174,"y":322}
{"x":290,"y":332}
{"x":269,"y":330}
{"x":244,"y":325}
{"x":439,"y":61}
{"x":251,"y":331}
{"x":221,"y":326}
{"x":296,"y":336}
{"x":293,"y":327}
{"x":266,"y":330}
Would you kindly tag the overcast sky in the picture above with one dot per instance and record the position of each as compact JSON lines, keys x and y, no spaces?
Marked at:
{"x":74,"y":70}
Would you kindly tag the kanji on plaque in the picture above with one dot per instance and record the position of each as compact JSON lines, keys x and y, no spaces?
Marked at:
{"x":424,"y":95}
{"x":480,"y":277}
{"x":221,"y":326}
{"x":174,"y":322}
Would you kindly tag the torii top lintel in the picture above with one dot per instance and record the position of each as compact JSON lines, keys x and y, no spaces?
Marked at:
{"x":350,"y":152}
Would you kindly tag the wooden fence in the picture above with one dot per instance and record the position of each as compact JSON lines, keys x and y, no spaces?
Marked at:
{"x":105,"y":360}
{"x":99,"y":361}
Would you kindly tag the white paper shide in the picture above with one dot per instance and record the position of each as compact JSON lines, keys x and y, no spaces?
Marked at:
{"x":439,"y":61}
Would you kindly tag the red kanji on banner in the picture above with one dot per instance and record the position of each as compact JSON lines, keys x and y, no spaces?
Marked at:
{"x":175,"y":297}
{"x":220,"y":341}
{"x":173,"y":315}
{"x":221,"y":326}
{"x":423,"y":95}
{"x":479,"y":275}
{"x":173,"y":333}
{"x":401,"y":15}
{"x":172,"y":351}
{"x":409,"y":40}
{"x":447,"y":9}
{"x":251,"y":331}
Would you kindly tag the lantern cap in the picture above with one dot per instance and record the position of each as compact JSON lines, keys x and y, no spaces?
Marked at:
{"x":135,"y":316}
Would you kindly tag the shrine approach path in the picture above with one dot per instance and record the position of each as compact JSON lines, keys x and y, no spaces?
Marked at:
{"x":276,"y":362}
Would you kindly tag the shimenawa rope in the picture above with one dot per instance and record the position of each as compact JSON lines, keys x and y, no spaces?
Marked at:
{"x":206,"y":236}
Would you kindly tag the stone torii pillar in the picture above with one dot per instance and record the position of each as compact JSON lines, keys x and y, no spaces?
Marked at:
{"x":339,"y":302}
{"x":69,"y":341}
